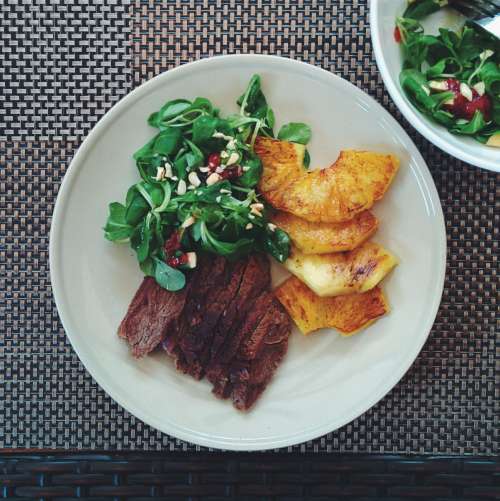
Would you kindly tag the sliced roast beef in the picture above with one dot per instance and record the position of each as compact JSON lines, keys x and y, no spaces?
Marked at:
{"x":225,"y":324}
{"x":179,"y":342}
{"x":151,"y":313}
{"x":201,"y":313}
{"x":218,"y":371}
{"x":215,"y":311}
{"x":255,"y":281}
{"x":256,"y":351}
{"x":154,"y":314}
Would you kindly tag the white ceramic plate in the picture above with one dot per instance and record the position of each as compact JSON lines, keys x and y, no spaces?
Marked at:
{"x":389,"y":60}
{"x":326,"y":380}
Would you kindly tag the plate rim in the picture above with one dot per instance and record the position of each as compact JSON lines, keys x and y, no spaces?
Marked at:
{"x":167,"y":427}
{"x":409,"y":113}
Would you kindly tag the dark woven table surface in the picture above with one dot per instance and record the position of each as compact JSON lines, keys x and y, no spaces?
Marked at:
{"x":64,"y":64}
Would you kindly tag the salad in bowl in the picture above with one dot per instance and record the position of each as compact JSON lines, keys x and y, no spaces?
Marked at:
{"x":444,"y":75}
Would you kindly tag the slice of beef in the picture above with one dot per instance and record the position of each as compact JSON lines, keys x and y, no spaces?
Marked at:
{"x":219,"y":299}
{"x":151,"y":313}
{"x":266,"y":324}
{"x":218,"y":371}
{"x":256,"y":279}
{"x":216,"y":310}
{"x":207,"y":273}
{"x":245,"y":393}
{"x":203,"y":307}
{"x":260,"y":356}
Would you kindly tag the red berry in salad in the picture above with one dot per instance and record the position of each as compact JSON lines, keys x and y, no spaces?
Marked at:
{"x":232,"y":173}
{"x":176,"y":261}
{"x":461,"y":107}
{"x":172,"y":244}
{"x":481,"y":103}
{"x":397,"y":35}
{"x":214,"y":160}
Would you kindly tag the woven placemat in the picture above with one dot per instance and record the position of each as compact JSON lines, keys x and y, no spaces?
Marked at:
{"x":63,"y":65}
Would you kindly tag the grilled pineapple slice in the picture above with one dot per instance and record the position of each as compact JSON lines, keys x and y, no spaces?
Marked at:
{"x":282,"y":162}
{"x":322,"y":238}
{"x":342,"y":273}
{"x":332,"y":195}
{"x":348,"y":314}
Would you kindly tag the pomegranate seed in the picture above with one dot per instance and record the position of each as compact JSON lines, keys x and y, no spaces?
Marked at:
{"x":214,"y":160}
{"x":175,"y":261}
{"x":397,"y":35}
{"x":481,"y":103}
{"x":232,"y":173}
{"x":453,"y":84}
{"x":462,"y":108}
{"x":172,"y":244}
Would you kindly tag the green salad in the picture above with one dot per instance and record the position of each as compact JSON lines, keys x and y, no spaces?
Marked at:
{"x":197,"y":188}
{"x":454,"y":77}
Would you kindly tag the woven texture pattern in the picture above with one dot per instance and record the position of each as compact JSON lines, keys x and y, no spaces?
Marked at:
{"x":65,"y":64}
{"x":241,"y":476}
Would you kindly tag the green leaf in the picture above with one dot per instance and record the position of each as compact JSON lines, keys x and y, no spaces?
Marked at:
{"x":155,"y":192}
{"x":203,"y":129}
{"x":137,"y":208}
{"x":167,"y":193}
{"x":235,"y":121}
{"x":116,"y":227}
{"x":421,"y":8}
{"x":228,"y":249}
{"x":195,"y":157}
{"x":144,"y":238}
{"x":472,"y":127}
{"x":196,"y":230}
{"x":444,"y":118}
{"x":490,"y":130}
{"x":168,"y":111}
{"x":205,"y":194}
{"x":146,"y":150}
{"x":167,"y":277}
{"x":416,"y":50}
{"x":495,"y":112}
{"x":307,"y":159}
{"x":490,"y":75}
{"x":252,"y":99}
{"x":252,"y":170}
{"x":168,"y":141}
{"x":469,"y":46}
{"x":180,"y":166}
{"x":270,"y":118}
{"x":295,"y":132}
{"x":204,"y":104}
{"x":148,"y":267}
{"x":414,"y":84}
{"x":277,"y":243}
{"x":436,"y":70}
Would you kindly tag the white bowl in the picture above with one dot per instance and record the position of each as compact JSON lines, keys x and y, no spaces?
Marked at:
{"x":389,"y":60}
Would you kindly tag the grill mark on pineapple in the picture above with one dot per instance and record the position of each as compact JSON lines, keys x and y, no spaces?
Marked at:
{"x":361,"y":272}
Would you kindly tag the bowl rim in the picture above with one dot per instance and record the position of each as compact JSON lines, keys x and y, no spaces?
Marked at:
{"x":416,"y":119}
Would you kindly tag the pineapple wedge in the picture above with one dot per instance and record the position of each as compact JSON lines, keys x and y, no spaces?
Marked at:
{"x":332,"y":195}
{"x":282,"y":162}
{"x":342,"y":273}
{"x":348,"y":314}
{"x":322,"y":238}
